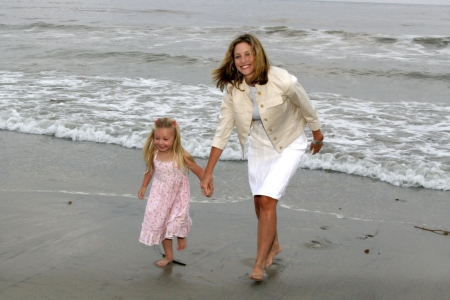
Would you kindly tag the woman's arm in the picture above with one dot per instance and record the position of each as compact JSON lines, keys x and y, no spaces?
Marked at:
{"x":300,"y":98}
{"x":226,"y":122}
{"x":223,"y":133}
{"x":145,"y":182}
{"x":206,"y":184}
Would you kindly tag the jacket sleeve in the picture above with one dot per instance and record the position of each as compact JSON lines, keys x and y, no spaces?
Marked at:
{"x":226,"y":122}
{"x":298,"y":96}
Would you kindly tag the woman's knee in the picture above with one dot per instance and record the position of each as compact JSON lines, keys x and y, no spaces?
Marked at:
{"x":267,"y":203}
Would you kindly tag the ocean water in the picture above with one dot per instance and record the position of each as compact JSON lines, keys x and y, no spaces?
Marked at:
{"x":104,"y":71}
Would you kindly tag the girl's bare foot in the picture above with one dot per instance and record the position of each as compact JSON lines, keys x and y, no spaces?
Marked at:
{"x":181,"y":244}
{"x":276,"y":249}
{"x":164,"y":262}
{"x":257,"y":273}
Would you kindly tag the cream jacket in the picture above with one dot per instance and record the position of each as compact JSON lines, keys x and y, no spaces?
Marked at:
{"x":283,"y":104}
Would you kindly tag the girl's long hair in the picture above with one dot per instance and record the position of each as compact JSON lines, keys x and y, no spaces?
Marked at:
{"x":228,"y":73}
{"x":179,"y":154}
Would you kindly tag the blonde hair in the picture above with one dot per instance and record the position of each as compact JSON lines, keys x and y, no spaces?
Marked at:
{"x":179,"y":154}
{"x":228,"y":73}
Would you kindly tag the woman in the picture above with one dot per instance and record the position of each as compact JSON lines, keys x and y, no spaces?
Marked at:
{"x":271,"y":110}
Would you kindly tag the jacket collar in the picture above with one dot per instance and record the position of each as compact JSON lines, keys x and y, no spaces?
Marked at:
{"x":244,"y":86}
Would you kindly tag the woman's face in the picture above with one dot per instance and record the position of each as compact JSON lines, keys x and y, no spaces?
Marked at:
{"x":244,"y":60}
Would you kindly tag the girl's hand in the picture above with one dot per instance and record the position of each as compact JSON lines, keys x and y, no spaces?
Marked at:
{"x":141,"y":193}
{"x":207,"y":185}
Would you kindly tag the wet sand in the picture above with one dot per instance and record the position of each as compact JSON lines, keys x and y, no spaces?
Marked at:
{"x":70,"y":223}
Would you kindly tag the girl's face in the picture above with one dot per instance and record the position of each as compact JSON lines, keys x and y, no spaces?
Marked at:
{"x":244,"y":60}
{"x":164,"y":138}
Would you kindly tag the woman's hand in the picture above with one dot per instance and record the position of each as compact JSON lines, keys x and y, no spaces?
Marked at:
{"x":315,"y":148}
{"x":207,"y":185}
{"x":317,"y":142}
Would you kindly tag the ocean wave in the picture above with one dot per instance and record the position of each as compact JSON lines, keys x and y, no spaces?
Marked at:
{"x":362,"y":138}
{"x":416,"y":174}
{"x":392,"y":73}
{"x":360,"y":46}
{"x":46,"y":26}
{"x":202,"y":44}
{"x":438,"y":42}
{"x":153,"y":11}
{"x":138,"y":56}
{"x":353,"y":37}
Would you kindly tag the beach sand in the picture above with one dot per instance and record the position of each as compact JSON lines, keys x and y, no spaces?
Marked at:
{"x":70,"y":223}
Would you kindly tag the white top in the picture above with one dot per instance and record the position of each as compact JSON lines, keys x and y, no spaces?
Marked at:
{"x":256,"y":115}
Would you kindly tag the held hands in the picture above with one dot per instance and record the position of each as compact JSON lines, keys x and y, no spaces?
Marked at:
{"x":207,"y":185}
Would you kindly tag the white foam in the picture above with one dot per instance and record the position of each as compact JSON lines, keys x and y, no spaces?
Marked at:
{"x":362,"y":138}
{"x":71,"y":193}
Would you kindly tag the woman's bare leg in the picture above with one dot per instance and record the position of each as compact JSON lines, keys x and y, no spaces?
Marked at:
{"x":265,"y":208}
{"x":276,"y":247}
{"x":167,"y":245}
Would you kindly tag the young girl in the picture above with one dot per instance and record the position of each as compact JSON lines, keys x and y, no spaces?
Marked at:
{"x":167,"y":211}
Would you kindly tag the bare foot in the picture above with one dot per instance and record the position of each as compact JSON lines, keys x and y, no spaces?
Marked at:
{"x":257,"y":273}
{"x":274,"y":251}
{"x":181,"y":244}
{"x":164,"y":262}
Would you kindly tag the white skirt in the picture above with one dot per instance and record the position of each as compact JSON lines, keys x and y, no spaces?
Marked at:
{"x":269,"y":172}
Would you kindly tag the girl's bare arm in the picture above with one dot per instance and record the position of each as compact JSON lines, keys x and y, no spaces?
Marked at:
{"x":145,"y":182}
{"x":195,"y":168}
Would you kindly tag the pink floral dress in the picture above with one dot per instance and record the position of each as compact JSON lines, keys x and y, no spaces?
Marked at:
{"x":167,"y":210}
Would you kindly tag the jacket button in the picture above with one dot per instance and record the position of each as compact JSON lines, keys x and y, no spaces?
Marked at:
{"x":259,"y":93}
{"x":270,"y":129}
{"x":265,"y":119}
{"x":262,"y":106}
{"x":281,"y":147}
{"x":274,"y":138}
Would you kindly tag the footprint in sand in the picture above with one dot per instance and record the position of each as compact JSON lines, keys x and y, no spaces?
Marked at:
{"x":314,"y":244}
{"x":198,"y":252}
{"x":320,"y":243}
{"x":196,"y":278}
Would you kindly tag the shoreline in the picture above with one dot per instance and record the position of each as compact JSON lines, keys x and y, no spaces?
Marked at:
{"x":89,"y":249}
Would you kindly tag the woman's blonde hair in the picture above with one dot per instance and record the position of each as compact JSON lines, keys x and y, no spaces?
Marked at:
{"x":179,"y":154}
{"x":228,"y":73}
